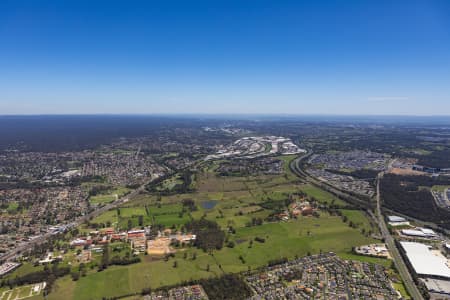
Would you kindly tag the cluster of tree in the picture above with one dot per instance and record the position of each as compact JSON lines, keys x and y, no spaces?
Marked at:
{"x":209,"y":236}
{"x":179,"y":188}
{"x":189,"y":204}
{"x":99,"y":225}
{"x":23,"y":184}
{"x":248,"y":167}
{"x":78,"y":180}
{"x":436,"y":159}
{"x":360,"y":174}
{"x":293,"y":274}
{"x":80,"y":272}
{"x":273,"y":217}
{"x":230,"y":244}
{"x":254,"y":222}
{"x":277,"y":261}
{"x":122,"y":261}
{"x":104,"y":263}
{"x":153,"y":185}
{"x":260,"y":239}
{"x":99,"y":189}
{"x":226,"y":287}
{"x":133,"y":186}
{"x":229,"y":286}
{"x":49,"y":274}
{"x":276,"y":205}
{"x":402,"y":194}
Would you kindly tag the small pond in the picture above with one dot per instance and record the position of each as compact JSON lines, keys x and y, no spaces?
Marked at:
{"x":209,"y":204}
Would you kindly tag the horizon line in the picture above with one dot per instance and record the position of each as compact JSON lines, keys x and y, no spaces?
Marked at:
{"x":226,"y":114}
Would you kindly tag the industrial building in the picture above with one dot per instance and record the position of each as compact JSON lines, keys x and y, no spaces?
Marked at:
{"x":425,"y":262}
{"x":396,"y":219}
{"x":420,"y":232}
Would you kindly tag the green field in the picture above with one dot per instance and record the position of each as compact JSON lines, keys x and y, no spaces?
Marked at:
{"x":322,"y":195}
{"x":25,"y":268}
{"x":401,"y":288}
{"x":109,"y":216}
{"x":166,"y":214}
{"x":359,"y":219}
{"x":12,"y":207}
{"x":440,"y":188}
{"x":21,"y":292}
{"x":238,"y":200}
{"x":387,"y":263}
{"x":284,"y":239}
{"x":169,"y":183}
{"x":109,"y":196}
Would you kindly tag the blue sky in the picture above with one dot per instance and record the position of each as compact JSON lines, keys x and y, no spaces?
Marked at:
{"x":296,"y":57}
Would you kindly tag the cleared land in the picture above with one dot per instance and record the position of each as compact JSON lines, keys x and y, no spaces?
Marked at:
{"x":108,"y":196}
{"x":237,"y":200}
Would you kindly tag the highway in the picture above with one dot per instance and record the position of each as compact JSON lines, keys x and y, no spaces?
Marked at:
{"x":390,"y":242}
{"x":296,"y":169}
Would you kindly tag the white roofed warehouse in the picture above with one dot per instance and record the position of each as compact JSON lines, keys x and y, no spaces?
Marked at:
{"x":425,"y":262}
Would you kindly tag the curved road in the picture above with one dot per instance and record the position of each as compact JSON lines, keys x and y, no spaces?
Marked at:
{"x":389,"y":240}
{"x":295,"y":168}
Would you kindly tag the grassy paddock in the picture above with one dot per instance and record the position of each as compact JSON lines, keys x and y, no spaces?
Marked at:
{"x":239,"y":199}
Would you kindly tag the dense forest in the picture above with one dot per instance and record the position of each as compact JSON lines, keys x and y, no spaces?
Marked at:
{"x":436,"y":159}
{"x":49,"y":274}
{"x":360,"y":174}
{"x":58,"y":133}
{"x":229,"y":286}
{"x":157,"y":186}
{"x":209,"y":234}
{"x":403,"y":194}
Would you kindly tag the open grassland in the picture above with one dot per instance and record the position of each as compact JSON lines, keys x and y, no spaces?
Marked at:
{"x":25,"y":268}
{"x":63,"y":289}
{"x":229,"y":201}
{"x":288,"y":239}
{"x":440,"y":188}
{"x":109,"y":216}
{"x":170,"y":183}
{"x":109,"y":196}
{"x":359,"y":219}
{"x":285,"y":239}
{"x":232,"y":194}
{"x":322,"y":195}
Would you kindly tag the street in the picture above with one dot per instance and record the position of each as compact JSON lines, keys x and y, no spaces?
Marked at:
{"x":390,"y":242}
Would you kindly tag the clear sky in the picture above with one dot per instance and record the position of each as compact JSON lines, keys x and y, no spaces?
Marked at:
{"x":296,"y":57}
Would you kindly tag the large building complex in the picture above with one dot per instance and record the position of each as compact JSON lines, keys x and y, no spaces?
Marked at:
{"x":425,"y":262}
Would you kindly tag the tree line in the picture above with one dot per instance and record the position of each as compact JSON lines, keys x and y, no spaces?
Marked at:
{"x":402,"y":194}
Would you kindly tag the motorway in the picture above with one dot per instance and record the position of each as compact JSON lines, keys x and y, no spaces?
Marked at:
{"x":42,"y":238}
{"x":296,"y":169}
{"x":390,"y":242}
